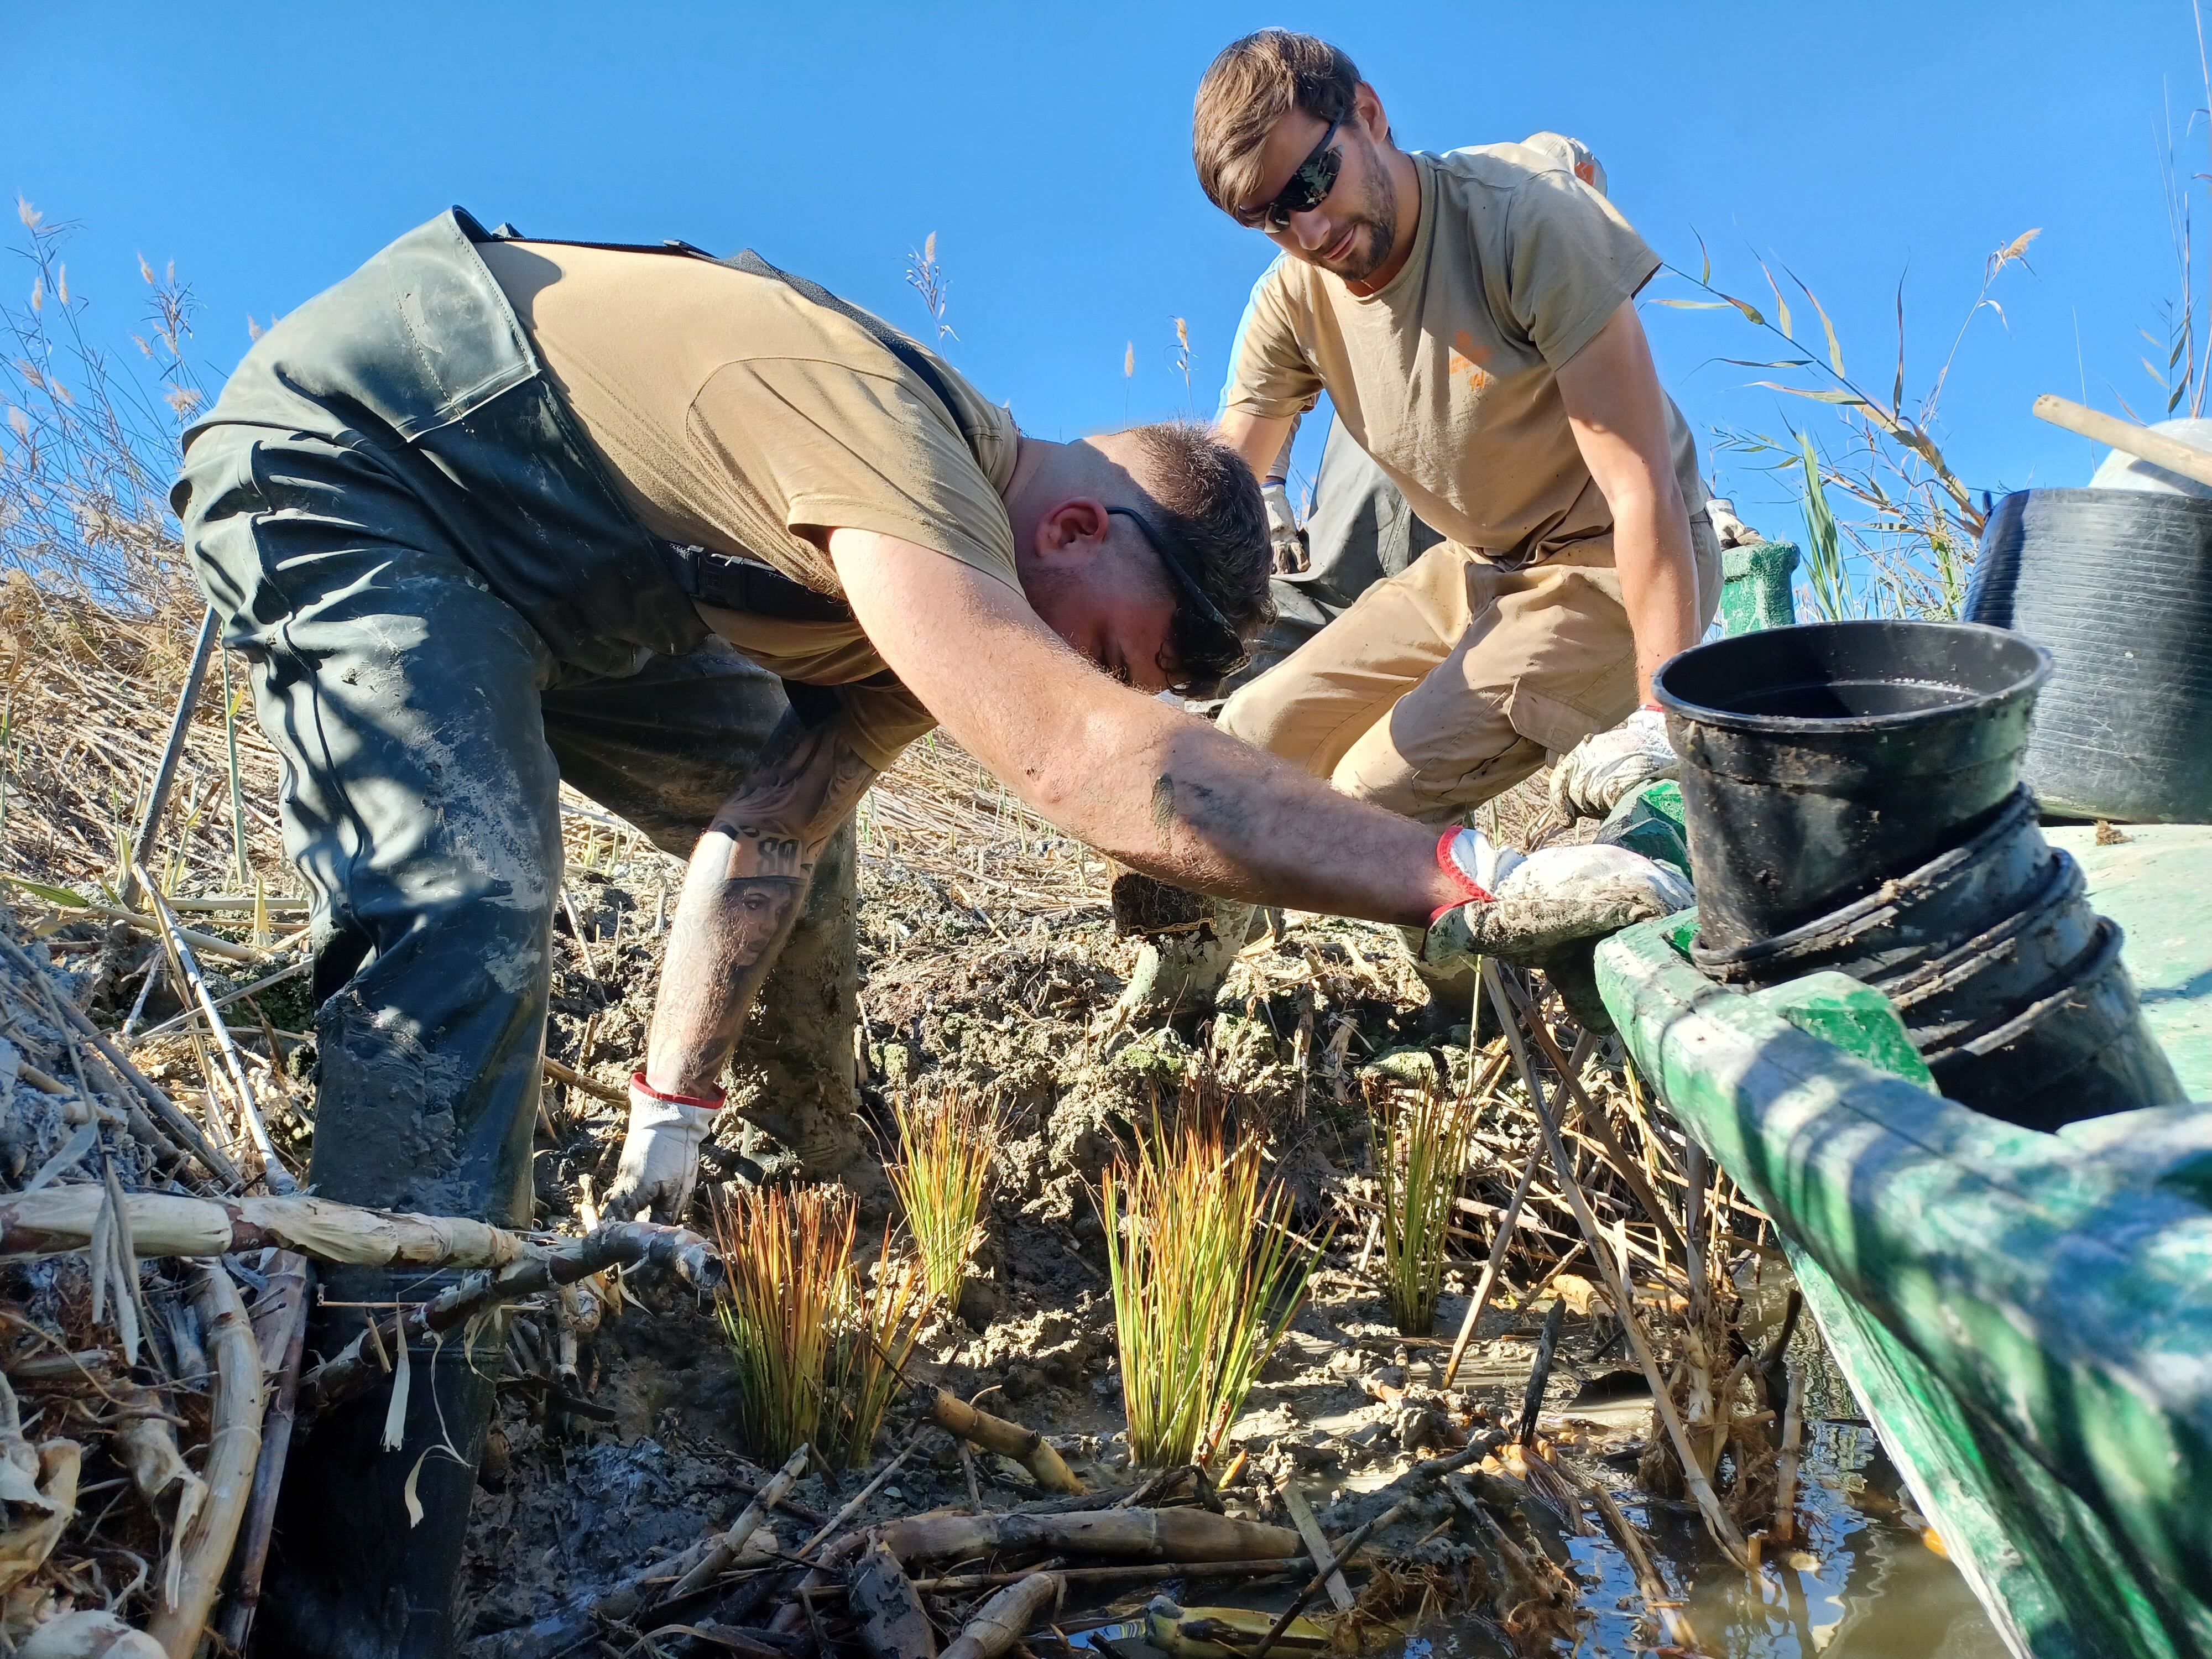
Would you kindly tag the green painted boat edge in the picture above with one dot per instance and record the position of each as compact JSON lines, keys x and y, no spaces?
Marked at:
{"x":2028,"y":1318}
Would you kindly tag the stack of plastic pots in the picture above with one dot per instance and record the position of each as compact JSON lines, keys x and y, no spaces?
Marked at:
{"x":1852,"y":797}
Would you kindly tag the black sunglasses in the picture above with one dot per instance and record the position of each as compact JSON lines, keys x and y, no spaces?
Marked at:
{"x":1309,"y":187}
{"x":1229,"y":652}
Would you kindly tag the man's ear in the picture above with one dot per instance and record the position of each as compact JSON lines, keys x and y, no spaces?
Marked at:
{"x":1074,"y":527}
{"x":1367,"y":105}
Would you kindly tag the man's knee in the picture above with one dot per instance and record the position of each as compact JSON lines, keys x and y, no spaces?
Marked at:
{"x":1416,"y":781}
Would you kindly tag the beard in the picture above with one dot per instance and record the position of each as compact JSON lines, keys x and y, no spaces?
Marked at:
{"x":1376,"y":216}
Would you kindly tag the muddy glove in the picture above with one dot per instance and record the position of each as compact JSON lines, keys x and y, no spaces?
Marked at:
{"x":1283,"y":532}
{"x":660,"y":1155}
{"x":1552,"y":899}
{"x":1603,"y":767}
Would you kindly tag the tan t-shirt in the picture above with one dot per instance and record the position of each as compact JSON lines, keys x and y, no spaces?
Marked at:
{"x":1447,"y":375}
{"x":733,"y":413}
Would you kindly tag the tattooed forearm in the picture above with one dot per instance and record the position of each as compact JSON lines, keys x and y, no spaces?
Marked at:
{"x":746,"y":884}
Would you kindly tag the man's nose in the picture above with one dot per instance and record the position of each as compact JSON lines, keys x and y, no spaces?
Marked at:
{"x":1312,"y":229}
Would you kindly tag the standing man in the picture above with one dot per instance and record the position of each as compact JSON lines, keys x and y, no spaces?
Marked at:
{"x":699,"y":538}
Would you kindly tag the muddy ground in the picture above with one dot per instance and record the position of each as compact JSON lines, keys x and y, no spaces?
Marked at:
{"x":1312,"y":1018}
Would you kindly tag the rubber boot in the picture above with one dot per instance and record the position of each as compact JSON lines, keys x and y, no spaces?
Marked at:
{"x":1180,"y":973}
{"x":352,"y":1574}
{"x":1451,"y":995}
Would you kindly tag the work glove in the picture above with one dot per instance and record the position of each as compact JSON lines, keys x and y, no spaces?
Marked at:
{"x":1551,"y":900}
{"x":660,"y":1154}
{"x":1283,"y":532}
{"x":1605,"y":767}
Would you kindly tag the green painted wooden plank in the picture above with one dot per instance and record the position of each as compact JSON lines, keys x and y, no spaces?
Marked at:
{"x":2157,"y":885}
{"x":2027,"y":1317}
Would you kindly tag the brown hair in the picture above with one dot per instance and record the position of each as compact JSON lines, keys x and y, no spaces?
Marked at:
{"x":1253,"y":84}
{"x":1210,"y":510}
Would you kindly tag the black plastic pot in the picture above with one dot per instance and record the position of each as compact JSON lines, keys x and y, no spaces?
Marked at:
{"x":2118,"y":584}
{"x":1818,"y":761}
{"x":1907,"y":921}
{"x":2082,"y":1051}
{"x":2032,"y":954}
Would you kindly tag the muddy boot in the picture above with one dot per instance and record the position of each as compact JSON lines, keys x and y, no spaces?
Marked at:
{"x":1179,"y":973}
{"x":350,"y":1575}
{"x":794,"y":1071}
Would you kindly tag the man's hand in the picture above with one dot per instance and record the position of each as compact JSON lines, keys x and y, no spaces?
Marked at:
{"x":1284,"y":534}
{"x":1554,"y":898}
{"x":660,"y":1154}
{"x":1605,"y":766}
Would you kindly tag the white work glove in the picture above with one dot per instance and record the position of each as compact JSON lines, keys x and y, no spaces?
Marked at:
{"x":1558,"y":897}
{"x":1606,"y":765}
{"x":1283,"y":532}
{"x":1481,"y":867}
{"x":660,"y":1154}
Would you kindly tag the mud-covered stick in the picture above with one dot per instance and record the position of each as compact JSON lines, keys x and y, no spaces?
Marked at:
{"x":1785,"y":1478}
{"x":1492,"y":1267}
{"x":1005,"y":1618}
{"x":1593,"y":1120}
{"x":724,"y":1549}
{"x":613,"y":1244}
{"x":1540,"y":1375}
{"x":887,"y":1610}
{"x":1351,"y":1547}
{"x":860,"y":1497}
{"x":1725,"y":1531}
{"x":1141,"y":1572}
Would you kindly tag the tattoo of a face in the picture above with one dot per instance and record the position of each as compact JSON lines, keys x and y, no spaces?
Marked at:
{"x":757,"y":910}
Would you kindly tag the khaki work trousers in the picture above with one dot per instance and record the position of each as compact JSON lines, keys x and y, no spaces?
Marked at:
{"x":1450,"y":683}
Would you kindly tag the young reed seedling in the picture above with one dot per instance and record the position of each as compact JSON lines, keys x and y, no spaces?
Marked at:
{"x":1420,"y":1151}
{"x":1206,"y":1276}
{"x":946,"y":1143}
{"x":818,"y":1352}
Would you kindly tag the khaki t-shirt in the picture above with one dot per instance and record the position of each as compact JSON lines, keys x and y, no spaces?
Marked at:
{"x":1447,"y":375}
{"x":733,"y":412}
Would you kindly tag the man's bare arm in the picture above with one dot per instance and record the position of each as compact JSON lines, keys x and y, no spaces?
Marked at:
{"x":1258,"y":439}
{"x":747,"y":882}
{"x":1150,"y":785}
{"x":1619,"y":417}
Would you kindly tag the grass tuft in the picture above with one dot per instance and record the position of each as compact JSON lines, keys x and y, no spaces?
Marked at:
{"x":945,"y":1147}
{"x":817,"y":1355}
{"x":1420,"y":1152}
{"x":1206,"y":1276}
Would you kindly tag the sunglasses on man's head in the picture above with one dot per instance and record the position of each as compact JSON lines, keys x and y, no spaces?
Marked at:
{"x":1309,"y":187}
{"x":1192,"y":602}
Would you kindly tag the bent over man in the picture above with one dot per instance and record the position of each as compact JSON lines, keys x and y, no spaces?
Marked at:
{"x":712,"y":546}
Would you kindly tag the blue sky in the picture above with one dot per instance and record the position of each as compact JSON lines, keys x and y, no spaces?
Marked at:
{"x":269,"y":149}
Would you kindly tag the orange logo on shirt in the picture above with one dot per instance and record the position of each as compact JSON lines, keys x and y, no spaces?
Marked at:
{"x":1465,"y":361}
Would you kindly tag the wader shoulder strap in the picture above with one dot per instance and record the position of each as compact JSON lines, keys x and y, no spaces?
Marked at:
{"x":749,"y":585}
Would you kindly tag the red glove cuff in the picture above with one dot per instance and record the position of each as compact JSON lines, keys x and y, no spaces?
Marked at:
{"x":704,"y":1103}
{"x":1476,"y":893}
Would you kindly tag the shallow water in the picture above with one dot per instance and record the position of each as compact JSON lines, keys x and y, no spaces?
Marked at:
{"x":1864,"y":1583}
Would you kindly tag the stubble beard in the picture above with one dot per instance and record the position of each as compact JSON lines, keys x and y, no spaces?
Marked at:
{"x":1378,"y":216}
